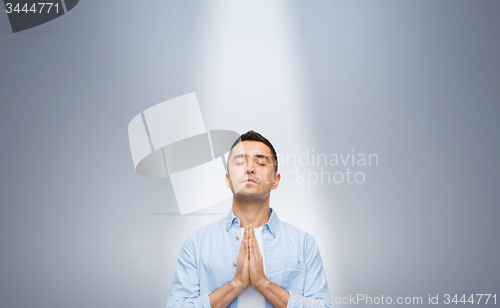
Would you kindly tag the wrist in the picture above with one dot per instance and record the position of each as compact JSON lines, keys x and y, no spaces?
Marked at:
{"x":237,"y":285}
{"x":262,"y":284}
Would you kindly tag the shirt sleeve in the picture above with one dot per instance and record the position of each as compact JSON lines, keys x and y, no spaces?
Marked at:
{"x":185,"y":289}
{"x":316,"y":293}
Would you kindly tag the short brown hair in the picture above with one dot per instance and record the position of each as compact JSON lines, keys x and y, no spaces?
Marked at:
{"x":255,"y":136}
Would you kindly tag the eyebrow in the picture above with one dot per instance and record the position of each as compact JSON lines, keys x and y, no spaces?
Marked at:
{"x":258,"y":156}
{"x":238,"y":156}
{"x":262,"y":156}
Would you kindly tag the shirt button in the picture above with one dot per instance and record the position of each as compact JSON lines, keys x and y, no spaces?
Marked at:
{"x":236,"y":220}
{"x":227,"y":228}
{"x":234,"y":263}
{"x":274,"y":234}
{"x":237,"y":237}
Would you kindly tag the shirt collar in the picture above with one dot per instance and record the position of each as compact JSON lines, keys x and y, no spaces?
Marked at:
{"x":273,"y":224}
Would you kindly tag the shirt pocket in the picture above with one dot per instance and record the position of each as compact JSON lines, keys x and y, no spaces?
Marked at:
{"x":292,"y":276}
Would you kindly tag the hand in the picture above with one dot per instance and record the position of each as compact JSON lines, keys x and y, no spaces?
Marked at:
{"x":257,"y":275}
{"x":242,"y":278}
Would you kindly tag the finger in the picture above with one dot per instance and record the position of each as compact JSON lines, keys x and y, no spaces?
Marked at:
{"x":254,"y":248}
{"x":249,"y":249}
{"x":243,"y":247}
{"x":245,"y":235}
{"x":252,"y":234}
{"x":256,"y":256}
{"x":255,"y":245}
{"x":243,"y":256}
{"x":248,"y":234}
{"x":244,"y":251}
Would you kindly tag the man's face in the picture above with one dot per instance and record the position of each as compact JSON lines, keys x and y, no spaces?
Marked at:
{"x":251,"y":170}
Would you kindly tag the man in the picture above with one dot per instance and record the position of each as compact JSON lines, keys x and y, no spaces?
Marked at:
{"x":250,"y":258}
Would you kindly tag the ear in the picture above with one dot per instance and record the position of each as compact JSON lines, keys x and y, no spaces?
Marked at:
{"x":276,"y":180}
{"x":227,"y":180}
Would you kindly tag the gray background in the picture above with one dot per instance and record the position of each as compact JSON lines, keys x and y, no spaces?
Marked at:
{"x":415,"y":82}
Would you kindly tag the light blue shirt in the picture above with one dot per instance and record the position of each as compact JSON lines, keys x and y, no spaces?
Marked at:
{"x":208,"y":258}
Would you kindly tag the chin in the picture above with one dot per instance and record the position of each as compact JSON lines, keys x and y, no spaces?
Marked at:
{"x":246,"y":193}
{"x":244,"y":187}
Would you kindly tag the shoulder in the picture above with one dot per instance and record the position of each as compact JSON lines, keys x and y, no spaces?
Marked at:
{"x":304,"y":242}
{"x":292,"y":231}
{"x":202,"y":233}
{"x":299,"y":238}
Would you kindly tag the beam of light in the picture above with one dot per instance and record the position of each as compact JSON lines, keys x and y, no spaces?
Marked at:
{"x":248,"y":74}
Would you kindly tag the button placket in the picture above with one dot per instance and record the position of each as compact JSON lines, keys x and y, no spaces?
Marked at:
{"x":235,"y":246}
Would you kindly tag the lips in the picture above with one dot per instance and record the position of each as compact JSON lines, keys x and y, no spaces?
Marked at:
{"x":249,"y":180}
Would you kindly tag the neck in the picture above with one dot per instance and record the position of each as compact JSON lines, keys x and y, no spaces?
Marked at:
{"x":255,"y":213}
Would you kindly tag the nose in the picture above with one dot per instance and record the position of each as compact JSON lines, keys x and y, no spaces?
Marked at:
{"x":250,"y":169}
